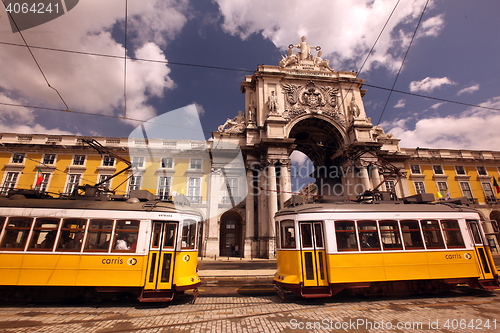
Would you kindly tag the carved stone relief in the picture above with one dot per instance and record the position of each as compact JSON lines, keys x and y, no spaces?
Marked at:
{"x":310,"y":98}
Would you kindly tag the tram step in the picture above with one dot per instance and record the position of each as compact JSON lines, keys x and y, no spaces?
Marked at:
{"x":156,"y":296}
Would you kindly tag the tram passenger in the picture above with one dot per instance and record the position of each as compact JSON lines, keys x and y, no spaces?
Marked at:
{"x":48,"y":242}
{"x":121,"y":243}
{"x":75,"y":243}
{"x":289,"y":240}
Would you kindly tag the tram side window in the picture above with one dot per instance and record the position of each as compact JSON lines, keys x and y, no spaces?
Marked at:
{"x":452,"y":234}
{"x":391,"y":239}
{"x":44,"y":234}
{"x":188,"y":234}
{"x":368,"y":236}
{"x":288,"y":234}
{"x":71,"y":237}
{"x":99,"y":235}
{"x":412,"y":238}
{"x":345,"y":233}
{"x":2,"y":221}
{"x":16,"y":233}
{"x":432,"y":234}
{"x":126,"y":235}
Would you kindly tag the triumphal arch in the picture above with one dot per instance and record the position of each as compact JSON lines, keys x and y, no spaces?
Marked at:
{"x":302,"y":104}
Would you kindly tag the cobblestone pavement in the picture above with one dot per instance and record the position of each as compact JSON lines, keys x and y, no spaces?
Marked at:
{"x":465,"y":310}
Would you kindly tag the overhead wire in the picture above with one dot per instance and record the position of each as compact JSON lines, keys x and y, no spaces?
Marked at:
{"x":402,"y":62}
{"x":33,"y":56}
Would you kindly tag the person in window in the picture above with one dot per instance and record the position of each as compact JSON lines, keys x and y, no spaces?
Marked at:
{"x":48,"y":242}
{"x":76,"y":242}
{"x":121,"y":243}
{"x":289,"y":240}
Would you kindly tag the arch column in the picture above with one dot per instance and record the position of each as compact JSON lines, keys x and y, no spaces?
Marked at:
{"x":249,"y":217}
{"x":272,"y":197}
{"x":285,"y":182}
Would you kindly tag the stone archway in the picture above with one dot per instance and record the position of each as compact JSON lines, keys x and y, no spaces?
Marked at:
{"x":231,"y":234}
{"x":319,"y":139}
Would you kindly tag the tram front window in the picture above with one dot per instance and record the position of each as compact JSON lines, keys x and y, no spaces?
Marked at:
{"x":287,"y":234}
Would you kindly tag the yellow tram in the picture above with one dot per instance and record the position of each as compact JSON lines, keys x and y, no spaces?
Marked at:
{"x":323,"y":249}
{"x":147,"y":248}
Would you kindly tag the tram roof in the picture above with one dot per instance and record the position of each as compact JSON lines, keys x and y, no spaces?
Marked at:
{"x":373,"y":207}
{"x":155,"y":206}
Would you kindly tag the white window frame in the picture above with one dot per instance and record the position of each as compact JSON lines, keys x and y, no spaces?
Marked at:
{"x":419,"y":187}
{"x":44,"y":185}
{"x":440,"y":187}
{"x":194,"y":189}
{"x":460,"y":166}
{"x":10,"y":181}
{"x":164,"y":187}
{"x":72,"y":183}
{"x":79,"y":159}
{"x":49,"y":159}
{"x":194,"y":165}
{"x":483,"y":171}
{"x":417,"y":166}
{"x":108,"y":161}
{"x":134,"y":183}
{"x":138,"y":161}
{"x":18,"y":158}
{"x":440,"y":168}
{"x":167,"y":163}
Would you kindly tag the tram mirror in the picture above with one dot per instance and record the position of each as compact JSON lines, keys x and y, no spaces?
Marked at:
{"x":171,"y":157}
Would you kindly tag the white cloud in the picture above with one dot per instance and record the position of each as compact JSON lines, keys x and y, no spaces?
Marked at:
{"x":429,"y":84}
{"x":90,"y":83}
{"x":473,"y":129}
{"x":433,"y":26}
{"x":346,"y":30}
{"x":468,"y":90}
{"x":15,"y":119}
{"x":400,"y":104}
{"x":437,"y":105}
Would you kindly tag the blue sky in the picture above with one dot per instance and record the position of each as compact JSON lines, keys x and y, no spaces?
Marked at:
{"x":453,"y":57}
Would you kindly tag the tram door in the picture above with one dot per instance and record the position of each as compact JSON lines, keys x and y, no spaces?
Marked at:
{"x":159,"y":274}
{"x":479,"y":245}
{"x":313,"y":254}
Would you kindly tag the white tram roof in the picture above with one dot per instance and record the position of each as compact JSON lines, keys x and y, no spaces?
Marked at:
{"x":377,"y":208}
{"x":149,"y":206}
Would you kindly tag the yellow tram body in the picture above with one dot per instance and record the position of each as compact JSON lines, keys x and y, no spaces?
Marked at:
{"x":160,"y":262}
{"x":321,"y":249}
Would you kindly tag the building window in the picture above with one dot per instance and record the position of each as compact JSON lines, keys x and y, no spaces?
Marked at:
{"x":442,"y":187}
{"x":232,"y":190}
{"x":438,"y":170}
{"x":79,"y":160}
{"x":104,"y":181}
{"x":415,"y":169}
{"x":164,"y":188}
{"x":134,"y":183}
{"x":466,"y":192}
{"x":488,"y":193}
{"x":73,"y":182}
{"x":194,"y":190}
{"x":460,"y":170}
{"x":138,"y":162}
{"x":389,"y":185}
{"x":481,"y":170}
{"x":108,"y":161}
{"x":10,"y":181}
{"x":44,"y":184}
{"x":18,"y":158}
{"x":195,"y":163}
{"x":419,"y":187}
{"x":167,"y":162}
{"x":49,"y":158}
